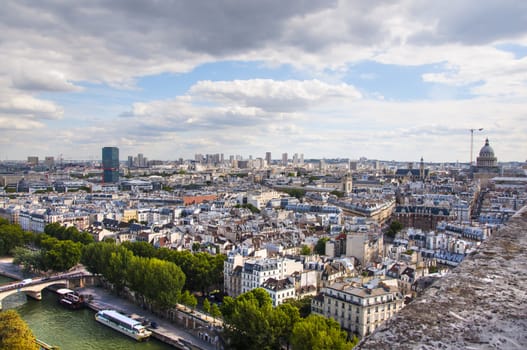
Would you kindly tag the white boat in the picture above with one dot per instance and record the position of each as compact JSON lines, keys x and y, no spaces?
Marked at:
{"x":123,"y":324}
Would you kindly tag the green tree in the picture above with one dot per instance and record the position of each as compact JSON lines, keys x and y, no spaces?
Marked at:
{"x":12,"y":236}
{"x":295,"y":192}
{"x":143,"y":249}
{"x":30,"y":260}
{"x":247,"y":320}
{"x":15,"y":333}
{"x":189,"y":299}
{"x":395,"y":227}
{"x":215,"y":311}
{"x":206,"y":305}
{"x":96,"y":256}
{"x":319,"y":333}
{"x":305,"y":250}
{"x":339,"y":194}
{"x":63,"y":255}
{"x":164,"y":283}
{"x":320,"y":247}
{"x":285,"y":316}
{"x":118,"y":263}
{"x":303,"y":305}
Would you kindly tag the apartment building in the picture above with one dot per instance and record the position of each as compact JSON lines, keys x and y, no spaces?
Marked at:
{"x":359,"y":309}
{"x":256,"y":271}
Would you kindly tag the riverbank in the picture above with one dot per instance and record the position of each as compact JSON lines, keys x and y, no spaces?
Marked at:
{"x":165,"y":331}
{"x":175,"y":335}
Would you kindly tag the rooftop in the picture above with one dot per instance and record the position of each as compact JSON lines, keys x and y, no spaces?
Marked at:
{"x":482,"y":304}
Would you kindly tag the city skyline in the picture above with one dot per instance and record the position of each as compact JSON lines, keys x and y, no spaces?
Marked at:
{"x":396,"y":80}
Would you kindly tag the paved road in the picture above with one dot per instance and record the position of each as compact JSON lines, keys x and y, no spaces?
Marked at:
{"x":8,"y":269}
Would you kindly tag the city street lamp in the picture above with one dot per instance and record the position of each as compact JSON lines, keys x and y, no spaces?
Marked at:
{"x":472,"y":142}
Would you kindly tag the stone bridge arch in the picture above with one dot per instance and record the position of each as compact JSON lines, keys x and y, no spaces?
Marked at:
{"x":32,"y":290}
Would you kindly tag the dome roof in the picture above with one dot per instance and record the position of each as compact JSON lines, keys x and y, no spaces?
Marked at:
{"x":486,"y":151}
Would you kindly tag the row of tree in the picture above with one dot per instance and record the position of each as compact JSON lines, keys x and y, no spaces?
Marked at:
{"x":251,"y":322}
{"x":204,"y":271}
{"x":60,"y":248}
{"x":159,"y":282}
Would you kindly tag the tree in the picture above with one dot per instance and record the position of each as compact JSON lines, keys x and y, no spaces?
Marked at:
{"x":143,"y":249}
{"x":294,"y":192}
{"x":15,"y":333}
{"x":117,"y":264}
{"x":395,"y":227}
{"x":206,"y":305}
{"x":215,"y":311}
{"x":285,"y":317}
{"x":320,"y":247}
{"x":319,"y":333}
{"x":63,"y":255}
{"x":164,"y":283}
{"x":305,"y":250}
{"x":303,"y":305}
{"x":189,"y":299}
{"x":30,"y":260}
{"x":247,"y":320}
{"x":12,"y":236}
{"x":339,"y":194}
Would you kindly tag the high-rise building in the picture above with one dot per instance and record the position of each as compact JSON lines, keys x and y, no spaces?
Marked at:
{"x":284,"y":159}
{"x":110,"y":164}
{"x":268,"y":158}
{"x":49,"y":161}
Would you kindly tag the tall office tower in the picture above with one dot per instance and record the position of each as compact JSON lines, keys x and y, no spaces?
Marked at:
{"x":130,"y":161}
{"x":284,"y":159}
{"x":268,"y":158}
{"x":110,"y":164}
{"x":49,"y":161}
{"x":140,"y":160}
{"x":301,"y":158}
{"x":295,"y":159}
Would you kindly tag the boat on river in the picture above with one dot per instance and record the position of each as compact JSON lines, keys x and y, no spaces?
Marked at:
{"x":124,"y":324}
{"x":70,"y":298}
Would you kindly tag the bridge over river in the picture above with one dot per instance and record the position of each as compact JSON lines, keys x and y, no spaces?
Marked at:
{"x":33,"y":287}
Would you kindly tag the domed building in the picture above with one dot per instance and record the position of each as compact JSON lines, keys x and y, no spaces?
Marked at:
{"x":486,"y":157}
{"x":486,"y":164}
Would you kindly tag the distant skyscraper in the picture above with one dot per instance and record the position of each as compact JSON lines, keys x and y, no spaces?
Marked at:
{"x":49,"y":161}
{"x":268,"y":158}
{"x":284,"y":159}
{"x":110,"y":164}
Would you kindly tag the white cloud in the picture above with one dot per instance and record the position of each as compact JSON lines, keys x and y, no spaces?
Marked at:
{"x":54,"y":48}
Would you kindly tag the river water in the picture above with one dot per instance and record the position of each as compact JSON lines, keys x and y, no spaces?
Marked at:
{"x":70,"y":329}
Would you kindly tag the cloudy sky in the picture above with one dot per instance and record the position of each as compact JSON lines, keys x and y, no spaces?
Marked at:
{"x":167,"y":78}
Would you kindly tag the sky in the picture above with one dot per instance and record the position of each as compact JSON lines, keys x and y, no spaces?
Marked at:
{"x":389,"y":80}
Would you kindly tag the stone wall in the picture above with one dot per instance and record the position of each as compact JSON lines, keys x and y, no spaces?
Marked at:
{"x":482,"y":304}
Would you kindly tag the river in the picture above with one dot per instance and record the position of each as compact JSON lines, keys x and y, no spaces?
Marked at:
{"x":70,"y":329}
